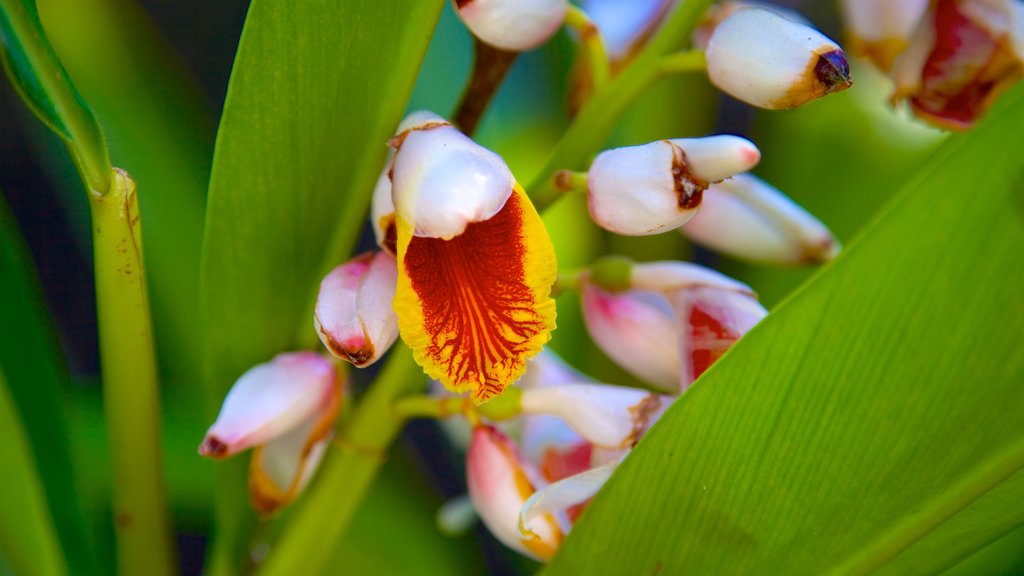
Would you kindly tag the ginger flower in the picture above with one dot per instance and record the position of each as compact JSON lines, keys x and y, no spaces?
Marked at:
{"x":475,"y":264}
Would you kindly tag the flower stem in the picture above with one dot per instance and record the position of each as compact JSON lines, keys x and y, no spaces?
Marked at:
{"x":570,"y":181}
{"x":594,"y":51}
{"x":323,"y":514}
{"x":595,"y":121}
{"x":490,"y":66}
{"x":142,"y":527}
{"x":683,"y":62}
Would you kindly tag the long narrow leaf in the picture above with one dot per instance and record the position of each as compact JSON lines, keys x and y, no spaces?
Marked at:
{"x":866,"y":416}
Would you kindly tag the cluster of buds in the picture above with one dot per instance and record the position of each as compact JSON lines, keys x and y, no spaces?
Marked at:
{"x":949,"y":59}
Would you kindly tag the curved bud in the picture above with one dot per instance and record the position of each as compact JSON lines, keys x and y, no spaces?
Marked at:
{"x":961,"y":58}
{"x":564,"y":495}
{"x":880,"y":29}
{"x":712,"y":320}
{"x":606,"y":416}
{"x":638,"y":330}
{"x":667,"y":276}
{"x":499,"y":483}
{"x":442,"y":181}
{"x":641,"y":190}
{"x":719,"y":11}
{"x":353,"y":316}
{"x":747,"y":218}
{"x":770,"y":61}
{"x":270,"y":400}
{"x":514,"y":25}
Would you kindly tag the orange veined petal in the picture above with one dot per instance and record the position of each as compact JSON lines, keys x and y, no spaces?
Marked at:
{"x":476,"y":307}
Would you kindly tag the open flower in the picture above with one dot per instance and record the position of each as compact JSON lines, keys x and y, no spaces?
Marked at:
{"x":747,"y":218}
{"x":641,"y":190}
{"x":768,"y":60}
{"x":284,"y":410}
{"x":475,"y":264}
{"x":962,"y":56}
{"x":514,"y":25}
{"x":673,"y":322}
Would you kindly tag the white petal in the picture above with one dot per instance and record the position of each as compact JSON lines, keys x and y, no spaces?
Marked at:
{"x":540,"y":434}
{"x":354,"y":317}
{"x":515,"y":25}
{"x":641,"y":190}
{"x":499,"y":484}
{"x":880,"y":20}
{"x":638,"y":330}
{"x":562,"y":495}
{"x":442,"y":181}
{"x":747,"y":218}
{"x":770,"y":61}
{"x":606,"y":416}
{"x":623,"y":24}
{"x":269,"y":400}
{"x":713,"y":320}
{"x":670,"y":275}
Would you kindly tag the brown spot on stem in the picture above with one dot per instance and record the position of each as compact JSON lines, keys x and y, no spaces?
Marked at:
{"x":689,"y":188}
{"x":123,"y":520}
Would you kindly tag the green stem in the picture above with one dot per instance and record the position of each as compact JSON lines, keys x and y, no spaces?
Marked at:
{"x":45,"y":86}
{"x":683,"y":62}
{"x":142,"y":527}
{"x":595,"y":121}
{"x":324,"y":512}
{"x":594,"y":51}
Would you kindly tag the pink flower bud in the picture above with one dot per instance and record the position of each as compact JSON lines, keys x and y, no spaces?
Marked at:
{"x":270,"y":400}
{"x":641,"y":190}
{"x":353,"y":316}
{"x":962,"y":56}
{"x":514,"y":25}
{"x":746,"y":218}
{"x":499,"y":483}
{"x":770,"y":61}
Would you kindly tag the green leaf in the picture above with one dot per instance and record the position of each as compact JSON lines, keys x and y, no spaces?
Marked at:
{"x":317,"y":88}
{"x":34,"y":366}
{"x":43,"y":84}
{"x":28,"y":539}
{"x":865,"y":417}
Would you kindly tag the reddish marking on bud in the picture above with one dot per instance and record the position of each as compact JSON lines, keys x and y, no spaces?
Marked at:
{"x":642,"y":414}
{"x":559,"y":464}
{"x":689,"y":188}
{"x":358,"y":352}
{"x":460,"y":4}
{"x":397,"y":141}
{"x":387,"y":223}
{"x":710,"y":340}
{"x":213,"y":447}
{"x":477,"y":306}
{"x":826,"y":72}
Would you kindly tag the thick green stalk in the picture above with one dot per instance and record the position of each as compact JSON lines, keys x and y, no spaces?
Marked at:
{"x":598,"y":117}
{"x":144,"y":544}
{"x":323,"y":514}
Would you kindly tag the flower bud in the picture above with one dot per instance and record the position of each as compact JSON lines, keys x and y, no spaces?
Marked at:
{"x":880,"y":29}
{"x":565,"y":494}
{"x":642,"y":190}
{"x":499,"y":483}
{"x":546,"y":437}
{"x":625,"y":26}
{"x":514,"y":25}
{"x":606,"y":416}
{"x":443,"y":181}
{"x":280,"y":469}
{"x":353,"y":315}
{"x":747,"y":218}
{"x":270,"y":400}
{"x":719,"y":11}
{"x":961,"y":58}
{"x":667,"y":276}
{"x":770,"y":61}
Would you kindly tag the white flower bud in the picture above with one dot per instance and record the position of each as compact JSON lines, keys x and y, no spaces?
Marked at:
{"x":625,"y":25}
{"x":667,"y":276}
{"x":270,"y":400}
{"x":354,"y":317}
{"x":545,"y":437}
{"x":499,"y":483}
{"x":881,"y":29}
{"x":641,"y":190}
{"x":770,"y":61}
{"x":606,"y":416}
{"x":443,"y":181}
{"x":514,"y":25}
{"x":564,"y":494}
{"x":747,"y":218}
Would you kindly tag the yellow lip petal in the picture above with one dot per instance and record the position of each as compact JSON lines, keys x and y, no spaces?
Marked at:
{"x":476,"y":307}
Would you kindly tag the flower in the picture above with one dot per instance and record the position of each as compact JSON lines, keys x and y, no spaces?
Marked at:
{"x":880,"y":29}
{"x":767,"y":60}
{"x":475,"y":264}
{"x":625,"y":26}
{"x":514,"y":25}
{"x":353,"y":316}
{"x":641,"y":190}
{"x":962,"y":56}
{"x":674,"y":320}
{"x":747,"y":218}
{"x":284,"y":409}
